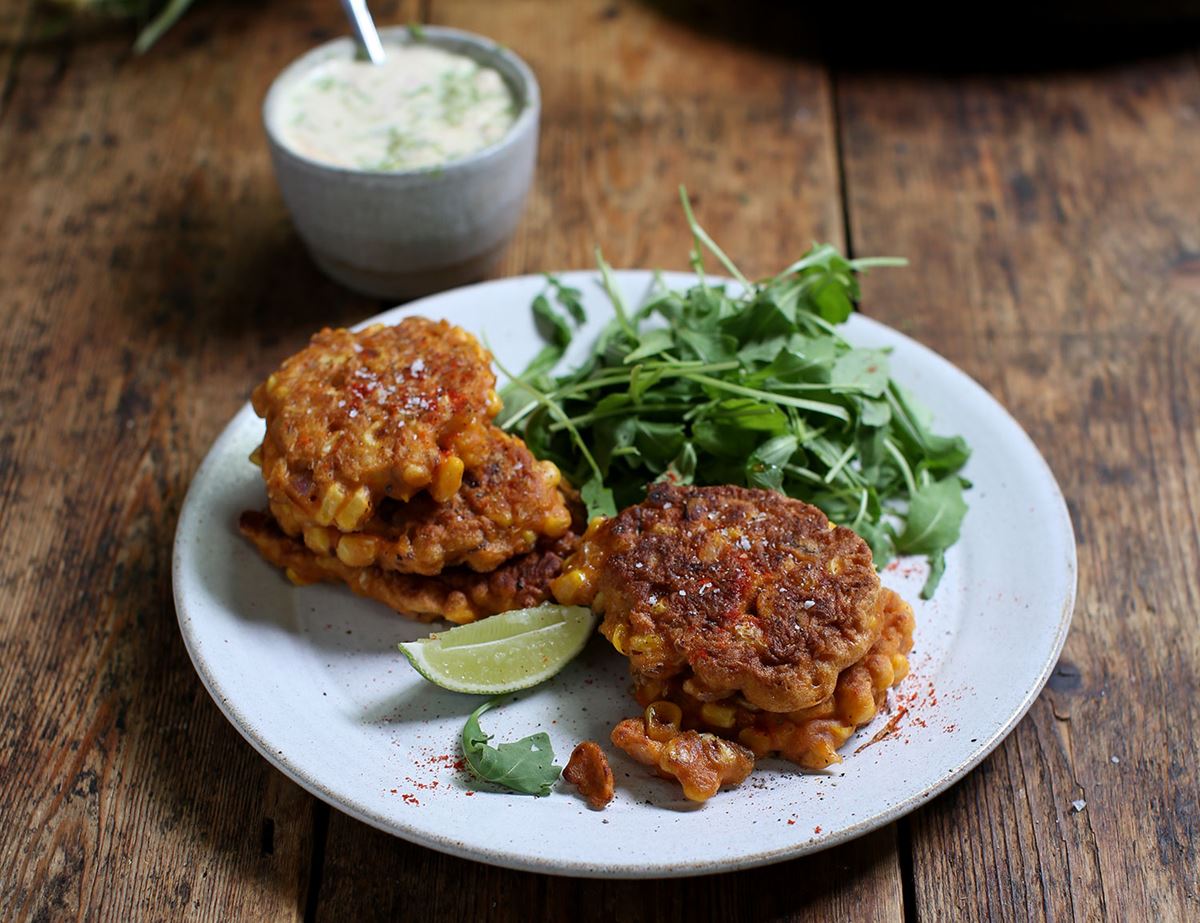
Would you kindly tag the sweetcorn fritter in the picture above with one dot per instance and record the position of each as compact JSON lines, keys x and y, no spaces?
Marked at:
{"x":457,"y":594}
{"x":387,"y":411}
{"x":730,"y":590}
{"x":503,"y":508}
{"x":678,"y":734}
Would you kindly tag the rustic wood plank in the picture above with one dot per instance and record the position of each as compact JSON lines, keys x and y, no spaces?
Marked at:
{"x":1052,"y":226}
{"x":370,"y":875}
{"x":634,"y":104}
{"x":151,"y":276}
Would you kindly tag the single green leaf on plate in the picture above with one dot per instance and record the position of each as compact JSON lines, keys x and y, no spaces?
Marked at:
{"x":525,"y":765}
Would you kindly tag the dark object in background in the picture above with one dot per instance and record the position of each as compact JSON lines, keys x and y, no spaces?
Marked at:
{"x":1015,"y":36}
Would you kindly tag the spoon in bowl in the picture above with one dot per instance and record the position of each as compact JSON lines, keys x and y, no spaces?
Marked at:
{"x":365,"y":33}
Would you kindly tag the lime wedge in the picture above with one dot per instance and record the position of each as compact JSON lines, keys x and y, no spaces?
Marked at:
{"x":503,"y":653}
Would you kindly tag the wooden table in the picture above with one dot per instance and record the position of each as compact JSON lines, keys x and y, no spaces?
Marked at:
{"x":150,"y":276}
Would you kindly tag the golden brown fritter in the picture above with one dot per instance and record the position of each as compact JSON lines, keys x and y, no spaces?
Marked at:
{"x":733,"y":589}
{"x":677,"y":732}
{"x":457,"y":594}
{"x":810,"y":736}
{"x":384,"y":412}
{"x":502,"y":509}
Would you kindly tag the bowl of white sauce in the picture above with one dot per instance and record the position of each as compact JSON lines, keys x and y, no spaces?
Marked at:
{"x":406,"y":177}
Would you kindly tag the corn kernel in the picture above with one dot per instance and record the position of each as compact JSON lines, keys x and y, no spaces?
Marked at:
{"x":460,"y":616}
{"x":415,"y":475}
{"x":447,"y":479}
{"x":356,"y":550}
{"x":256,"y":456}
{"x":899,"y":667}
{"x":721,"y":716}
{"x":835,"y":566}
{"x":318,"y":539}
{"x":840,"y":733}
{"x":494,"y":404}
{"x":857,"y":709}
{"x":882,"y":674}
{"x":619,"y":639}
{"x":758,"y":742}
{"x":662,"y":720}
{"x":649,"y":647}
{"x":296,"y":578}
{"x":353,"y":510}
{"x":572,"y":587}
{"x":556,"y":522}
{"x":334,"y":497}
{"x":552,"y":474}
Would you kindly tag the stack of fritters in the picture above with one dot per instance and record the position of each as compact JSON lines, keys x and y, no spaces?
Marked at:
{"x":752,"y":624}
{"x":384,"y":471}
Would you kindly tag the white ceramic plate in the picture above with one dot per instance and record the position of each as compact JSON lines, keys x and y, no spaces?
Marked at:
{"x":313,"y":680}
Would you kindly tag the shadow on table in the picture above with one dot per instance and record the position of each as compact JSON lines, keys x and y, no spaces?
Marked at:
{"x":1021,"y":37}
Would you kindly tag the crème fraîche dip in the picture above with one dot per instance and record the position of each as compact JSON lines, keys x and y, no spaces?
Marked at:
{"x":422,"y":107}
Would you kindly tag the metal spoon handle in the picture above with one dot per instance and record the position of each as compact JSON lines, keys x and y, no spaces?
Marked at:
{"x":364,"y":30}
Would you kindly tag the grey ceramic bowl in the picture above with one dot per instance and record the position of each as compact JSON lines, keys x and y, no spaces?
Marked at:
{"x":407,"y":233}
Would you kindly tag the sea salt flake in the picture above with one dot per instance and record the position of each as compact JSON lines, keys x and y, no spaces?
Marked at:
{"x":683,"y":592}
{"x":809,"y":603}
{"x":417,"y":367}
{"x":1078,"y":805}
{"x":743,"y":543}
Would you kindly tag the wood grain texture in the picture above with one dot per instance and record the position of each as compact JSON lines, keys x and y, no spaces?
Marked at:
{"x":1052,"y":223}
{"x":150,"y":277}
{"x":370,"y":875}
{"x":635,"y":104}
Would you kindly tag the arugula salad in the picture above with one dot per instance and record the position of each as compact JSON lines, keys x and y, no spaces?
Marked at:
{"x":744,"y":383}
